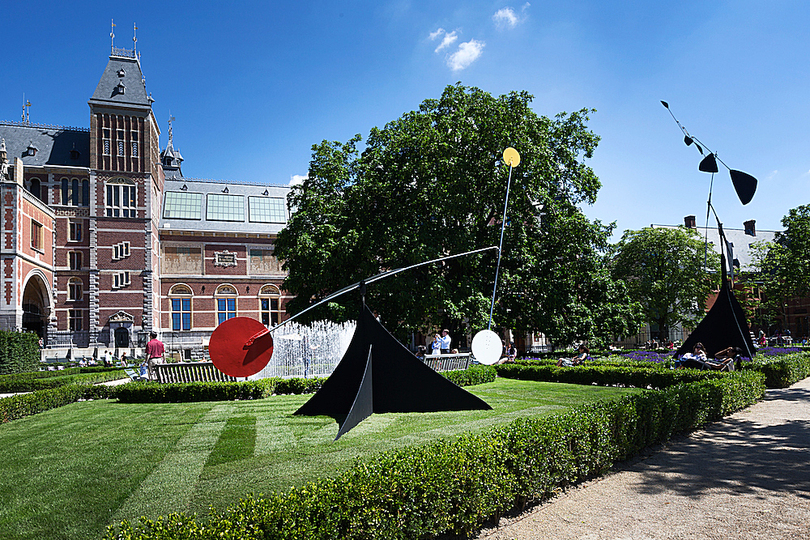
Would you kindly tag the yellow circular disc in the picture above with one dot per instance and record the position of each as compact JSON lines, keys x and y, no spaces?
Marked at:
{"x":511,"y":157}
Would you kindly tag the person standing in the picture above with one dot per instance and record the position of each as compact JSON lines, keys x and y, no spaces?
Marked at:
{"x":154,"y":354}
{"x":436,"y":344}
{"x":446,"y":340}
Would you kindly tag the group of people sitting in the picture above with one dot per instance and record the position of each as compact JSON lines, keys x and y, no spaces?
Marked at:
{"x":723,"y":360}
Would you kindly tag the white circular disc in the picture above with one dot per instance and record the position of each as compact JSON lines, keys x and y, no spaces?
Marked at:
{"x":487,"y":347}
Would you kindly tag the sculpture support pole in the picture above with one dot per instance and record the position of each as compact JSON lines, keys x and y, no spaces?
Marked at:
{"x":511,"y":156}
{"x":500,"y":249}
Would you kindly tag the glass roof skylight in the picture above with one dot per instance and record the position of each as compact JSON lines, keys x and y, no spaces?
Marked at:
{"x":225,"y":207}
{"x":267,"y":210}
{"x":182,"y":205}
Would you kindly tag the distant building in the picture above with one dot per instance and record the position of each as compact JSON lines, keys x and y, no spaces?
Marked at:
{"x":104,"y":240}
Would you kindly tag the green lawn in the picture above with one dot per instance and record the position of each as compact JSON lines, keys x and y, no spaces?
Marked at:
{"x":68,"y":472}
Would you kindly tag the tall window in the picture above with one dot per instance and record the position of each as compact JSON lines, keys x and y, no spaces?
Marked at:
{"x":134,"y":143}
{"x":269,"y":297}
{"x":36,"y":236}
{"x":75,"y":320}
{"x":34,"y":186}
{"x":106,"y":144}
{"x":226,"y":303}
{"x":75,"y":260}
{"x":181,"y":307}
{"x":121,"y":199}
{"x":74,"y":289}
{"x":75,"y":193}
{"x":120,"y":137}
{"x":75,"y":231}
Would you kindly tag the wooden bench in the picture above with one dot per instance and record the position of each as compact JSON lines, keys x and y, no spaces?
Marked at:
{"x":184,"y":372}
{"x":448,"y":362}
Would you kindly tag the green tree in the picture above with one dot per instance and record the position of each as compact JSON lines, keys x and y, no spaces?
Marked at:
{"x":665,"y":272}
{"x":432,"y":183}
{"x":783,"y":266}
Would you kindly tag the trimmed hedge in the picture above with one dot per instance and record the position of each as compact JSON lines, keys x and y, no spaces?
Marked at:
{"x":42,"y":380}
{"x":19,"y":352}
{"x":606,"y":374}
{"x":475,"y":374}
{"x":20,"y":406}
{"x":456,"y":486}
{"x":782,"y":371}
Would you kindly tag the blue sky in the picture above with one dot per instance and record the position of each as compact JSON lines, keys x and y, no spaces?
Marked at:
{"x":253,"y":85}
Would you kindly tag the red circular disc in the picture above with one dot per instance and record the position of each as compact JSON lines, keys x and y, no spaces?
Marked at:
{"x":240,"y":347}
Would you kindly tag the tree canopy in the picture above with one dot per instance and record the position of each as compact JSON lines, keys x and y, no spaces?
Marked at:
{"x":783,"y":266}
{"x":432,"y":183}
{"x":664,"y":270}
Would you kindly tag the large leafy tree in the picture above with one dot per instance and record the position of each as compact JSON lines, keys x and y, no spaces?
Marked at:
{"x":432,"y":183}
{"x":783,"y":266}
{"x":668,"y":271}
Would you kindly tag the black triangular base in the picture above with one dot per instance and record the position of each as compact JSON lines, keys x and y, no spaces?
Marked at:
{"x":363,"y":405}
{"x":723,"y":326}
{"x":379,"y":369}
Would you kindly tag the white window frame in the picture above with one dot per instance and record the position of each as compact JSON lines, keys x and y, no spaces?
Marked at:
{"x":75,"y":230}
{"x":121,"y":279}
{"x":124,"y":197}
{"x":120,"y":251}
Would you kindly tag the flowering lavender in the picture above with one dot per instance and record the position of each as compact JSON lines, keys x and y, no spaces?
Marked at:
{"x":777,"y":351}
{"x":648,"y":356}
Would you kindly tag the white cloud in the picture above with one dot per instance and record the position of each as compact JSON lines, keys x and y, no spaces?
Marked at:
{"x":437,"y":33}
{"x":467,"y":53}
{"x":448,"y":39}
{"x":505,"y":17}
{"x":297,"y":179}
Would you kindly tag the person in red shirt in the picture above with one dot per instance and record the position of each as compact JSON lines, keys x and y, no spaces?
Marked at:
{"x":154,"y":354}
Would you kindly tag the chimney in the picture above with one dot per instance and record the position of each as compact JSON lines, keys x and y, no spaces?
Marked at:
{"x":750,"y":227}
{"x":689,"y":222}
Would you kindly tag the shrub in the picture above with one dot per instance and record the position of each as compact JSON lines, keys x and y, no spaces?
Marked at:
{"x":19,"y":352}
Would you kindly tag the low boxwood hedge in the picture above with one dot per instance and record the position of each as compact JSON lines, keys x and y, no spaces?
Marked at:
{"x":782,"y":371}
{"x":42,"y":380}
{"x":454,"y":487}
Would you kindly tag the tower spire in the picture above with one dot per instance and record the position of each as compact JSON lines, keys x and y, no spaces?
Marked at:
{"x":112,"y":36}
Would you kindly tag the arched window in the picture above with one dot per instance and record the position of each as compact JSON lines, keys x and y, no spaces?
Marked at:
{"x":270,"y":300}
{"x":181,"y":307}
{"x":74,"y":289}
{"x":33,"y":185}
{"x":226,"y":303}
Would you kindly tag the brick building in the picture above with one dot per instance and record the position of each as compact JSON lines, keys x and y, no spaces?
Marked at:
{"x":104,"y":240}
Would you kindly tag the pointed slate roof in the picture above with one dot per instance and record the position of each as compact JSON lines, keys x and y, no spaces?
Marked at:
{"x":122,"y":83}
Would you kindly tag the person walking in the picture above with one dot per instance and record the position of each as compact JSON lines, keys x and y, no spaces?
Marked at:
{"x":154,"y":354}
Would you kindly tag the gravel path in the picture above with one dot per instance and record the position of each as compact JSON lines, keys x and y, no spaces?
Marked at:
{"x":747,"y":476}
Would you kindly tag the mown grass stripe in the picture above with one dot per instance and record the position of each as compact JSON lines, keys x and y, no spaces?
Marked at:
{"x":170,"y":486}
{"x":272,"y":435}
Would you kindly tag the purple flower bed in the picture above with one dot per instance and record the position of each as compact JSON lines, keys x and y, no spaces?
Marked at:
{"x":649,"y":356}
{"x":777,"y":351}
{"x":658,"y":357}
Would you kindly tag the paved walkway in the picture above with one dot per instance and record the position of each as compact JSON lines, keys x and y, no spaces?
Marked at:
{"x":747,"y":476}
